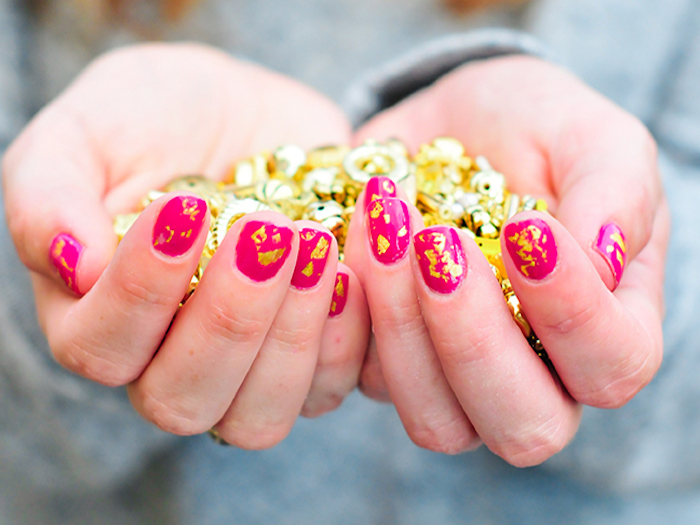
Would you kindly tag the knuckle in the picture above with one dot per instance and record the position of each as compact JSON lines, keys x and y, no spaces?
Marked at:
{"x":532,"y":445}
{"x":80,"y":358}
{"x":460,"y":354}
{"x":293,"y":338}
{"x":224,"y":324}
{"x":616,"y":388}
{"x":342,"y":359}
{"x":447,"y":437}
{"x":133,"y":294}
{"x":169,"y":417}
{"x":573,"y":317}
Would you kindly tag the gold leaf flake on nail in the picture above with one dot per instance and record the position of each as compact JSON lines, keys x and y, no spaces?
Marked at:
{"x":376,"y":210}
{"x":403,"y":231}
{"x":530,"y":242}
{"x":259,"y":236}
{"x":268,"y":258}
{"x":192,"y":210}
{"x":382,"y":245}
{"x":339,"y":288}
{"x":58,"y":249}
{"x":309,"y":269}
{"x":321,"y":249}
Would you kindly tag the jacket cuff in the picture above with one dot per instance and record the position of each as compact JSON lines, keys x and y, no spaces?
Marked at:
{"x":390,"y":83}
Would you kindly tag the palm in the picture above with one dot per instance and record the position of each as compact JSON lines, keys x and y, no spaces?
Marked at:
{"x":163,"y":112}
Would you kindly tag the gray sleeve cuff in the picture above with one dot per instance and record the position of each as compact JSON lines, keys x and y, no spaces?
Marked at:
{"x":389,"y":84}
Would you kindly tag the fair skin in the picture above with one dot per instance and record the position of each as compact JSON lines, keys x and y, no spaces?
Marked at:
{"x":134,"y":119}
{"x":239,"y":355}
{"x":593,"y":163}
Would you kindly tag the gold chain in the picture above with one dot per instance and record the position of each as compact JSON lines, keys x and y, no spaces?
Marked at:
{"x":322,"y":185}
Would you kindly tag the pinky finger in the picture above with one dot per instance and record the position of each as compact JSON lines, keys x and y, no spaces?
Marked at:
{"x":343,"y":346}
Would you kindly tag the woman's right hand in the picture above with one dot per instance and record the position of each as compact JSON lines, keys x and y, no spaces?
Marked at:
{"x":254,"y":346}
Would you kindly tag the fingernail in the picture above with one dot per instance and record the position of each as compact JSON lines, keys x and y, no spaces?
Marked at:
{"x":441,"y":258}
{"x":262,"y":249}
{"x":340,"y":294}
{"x":178,"y":225}
{"x":389,"y":229}
{"x":611,"y":245}
{"x":65,"y":254}
{"x":379,"y":188}
{"x":531,"y":245}
{"x":314,"y":246}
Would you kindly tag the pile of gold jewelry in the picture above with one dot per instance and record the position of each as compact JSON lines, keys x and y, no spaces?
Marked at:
{"x":322,"y":185}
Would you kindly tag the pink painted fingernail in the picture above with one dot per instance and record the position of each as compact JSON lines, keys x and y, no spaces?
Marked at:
{"x":314,"y":247}
{"x":441,"y":258}
{"x":340,"y":294}
{"x":531,"y":245}
{"x":389,"y":229}
{"x":379,"y":188}
{"x":65,"y":254}
{"x":178,"y":225}
{"x":262,"y":249}
{"x":611,"y":245}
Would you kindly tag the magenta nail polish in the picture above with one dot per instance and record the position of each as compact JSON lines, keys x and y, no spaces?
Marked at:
{"x":379,"y":188}
{"x":178,"y":225}
{"x":611,"y":245}
{"x":531,"y":245}
{"x":340,"y":294}
{"x":314,"y":246}
{"x":65,"y":255}
{"x":389,"y":229}
{"x":441,"y":258}
{"x":262,"y":249}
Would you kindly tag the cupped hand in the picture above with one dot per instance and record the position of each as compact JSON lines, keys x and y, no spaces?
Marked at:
{"x":254,"y":346}
{"x":589,"y":276}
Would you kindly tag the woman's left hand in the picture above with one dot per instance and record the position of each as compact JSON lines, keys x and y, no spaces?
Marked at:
{"x":447,"y":351}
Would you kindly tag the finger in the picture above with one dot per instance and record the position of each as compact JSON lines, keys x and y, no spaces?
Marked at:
{"x":416,"y":383}
{"x":372,"y":382}
{"x":609,"y":189}
{"x":517,"y":407}
{"x":605,"y":347}
{"x":54,"y":187}
{"x":273,"y":393}
{"x":191,"y":382}
{"x":343,"y":346}
{"x":111,"y":334}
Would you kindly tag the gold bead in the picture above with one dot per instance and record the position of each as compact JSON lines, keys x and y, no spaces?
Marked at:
{"x":288,"y":160}
{"x":327,"y":156}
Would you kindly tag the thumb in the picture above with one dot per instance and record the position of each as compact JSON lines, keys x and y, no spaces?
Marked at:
{"x":54,"y":186}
